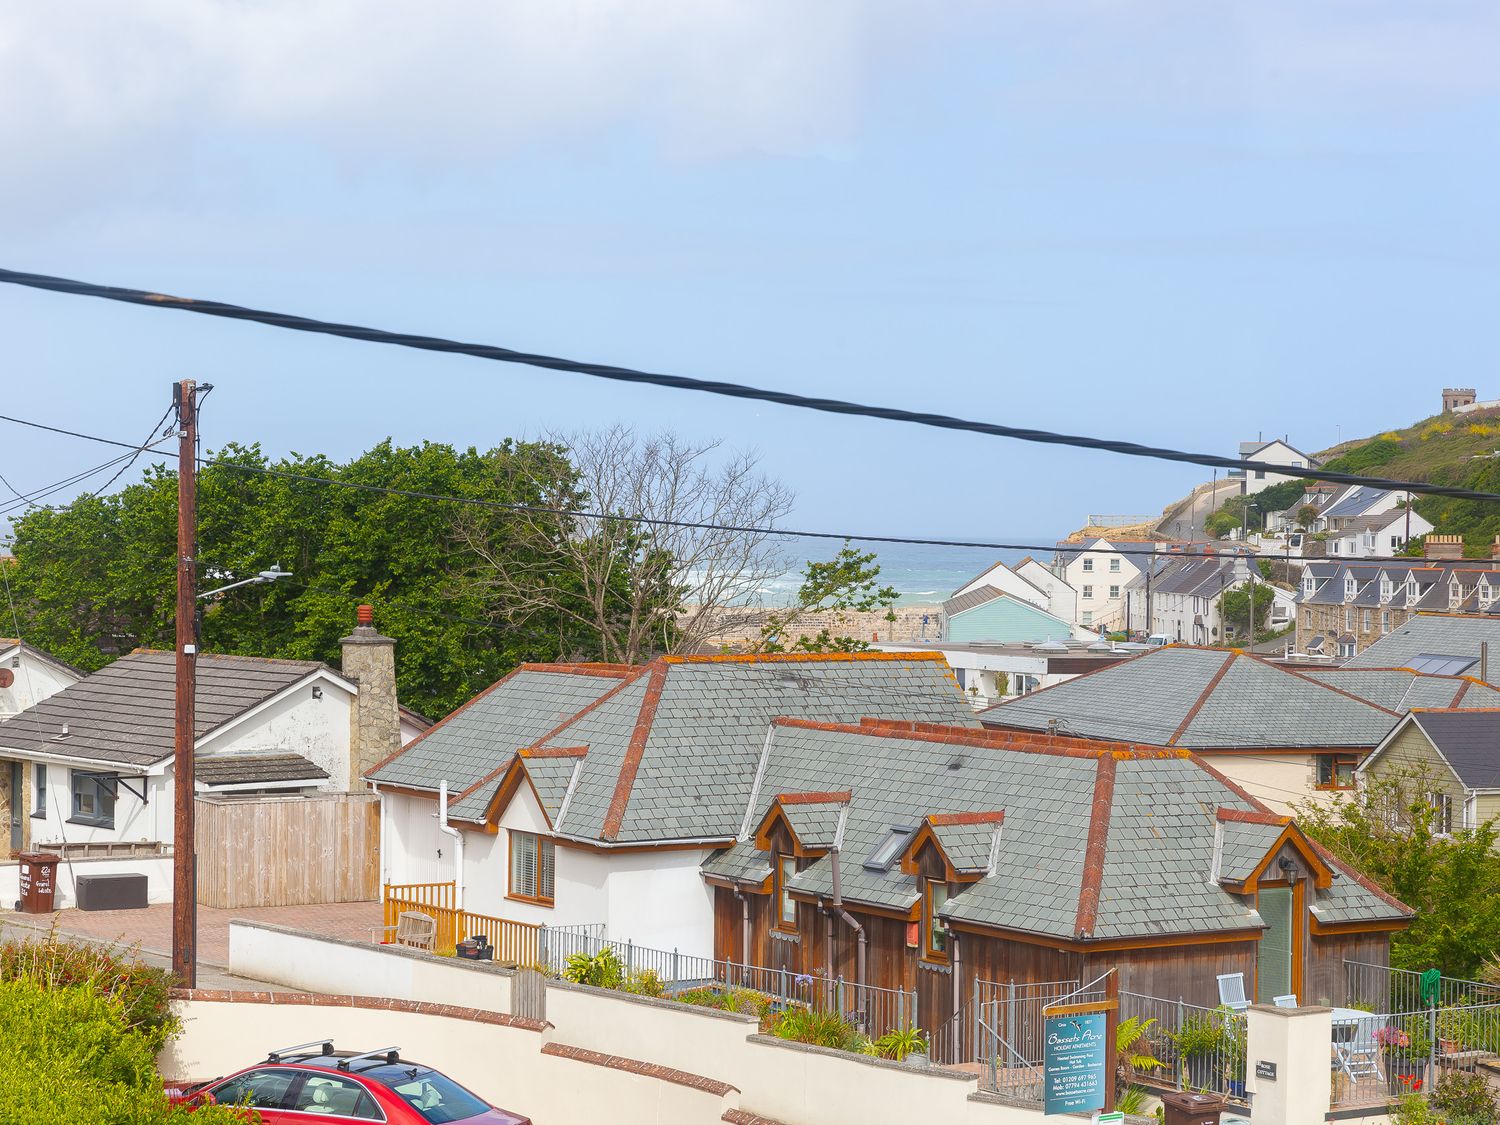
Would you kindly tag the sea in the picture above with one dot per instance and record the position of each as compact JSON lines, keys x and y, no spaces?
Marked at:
{"x":921,"y":575}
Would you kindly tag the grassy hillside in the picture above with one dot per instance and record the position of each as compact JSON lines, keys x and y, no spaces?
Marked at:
{"x":1459,"y":449}
{"x":1446,"y":449}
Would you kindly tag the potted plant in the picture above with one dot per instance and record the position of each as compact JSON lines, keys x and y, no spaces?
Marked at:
{"x":1198,"y":1042}
{"x":1405,"y":1047}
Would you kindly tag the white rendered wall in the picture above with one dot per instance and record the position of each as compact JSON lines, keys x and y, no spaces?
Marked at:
{"x":410,"y":841}
{"x":35,"y":680}
{"x":135,"y":821}
{"x":317,"y":729}
{"x":157,"y":869}
{"x":1008,"y":581}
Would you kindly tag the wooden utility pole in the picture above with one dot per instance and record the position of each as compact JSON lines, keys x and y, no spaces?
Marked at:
{"x":184,"y":859}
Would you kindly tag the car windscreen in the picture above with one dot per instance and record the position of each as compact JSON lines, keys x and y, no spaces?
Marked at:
{"x":436,"y":1097}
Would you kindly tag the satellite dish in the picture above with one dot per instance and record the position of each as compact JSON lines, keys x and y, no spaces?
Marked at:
{"x":7,"y":677}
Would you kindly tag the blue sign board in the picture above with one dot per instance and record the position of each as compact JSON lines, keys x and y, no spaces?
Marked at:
{"x":1076,"y":1062}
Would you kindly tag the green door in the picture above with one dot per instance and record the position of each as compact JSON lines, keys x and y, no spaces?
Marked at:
{"x":1273,"y":975}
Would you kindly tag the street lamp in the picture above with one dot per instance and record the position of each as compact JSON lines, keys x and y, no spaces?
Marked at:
{"x":264,"y":576}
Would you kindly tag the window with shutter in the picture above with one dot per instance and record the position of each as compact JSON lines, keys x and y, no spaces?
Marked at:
{"x":532,"y":868}
{"x":1273,"y":975}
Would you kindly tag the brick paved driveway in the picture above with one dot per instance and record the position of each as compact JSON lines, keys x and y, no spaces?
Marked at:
{"x":151,"y":928}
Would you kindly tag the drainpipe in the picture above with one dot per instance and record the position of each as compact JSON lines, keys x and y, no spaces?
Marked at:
{"x":828,"y":938}
{"x":458,"y":847}
{"x":849,"y":919}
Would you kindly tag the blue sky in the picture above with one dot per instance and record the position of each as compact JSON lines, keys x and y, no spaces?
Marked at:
{"x":1173,"y":223}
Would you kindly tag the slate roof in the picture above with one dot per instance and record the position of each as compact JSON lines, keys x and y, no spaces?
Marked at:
{"x":124,"y":713}
{"x":482,"y":735}
{"x":975,"y":598}
{"x":1242,"y":845}
{"x":1469,"y":741}
{"x":671,"y":751}
{"x":969,"y":847}
{"x":814,"y":823}
{"x":1154,"y":831}
{"x":1197,"y":698}
{"x":1355,"y":502}
{"x":1440,"y":633}
{"x":250,"y":769}
{"x":1401,"y":689}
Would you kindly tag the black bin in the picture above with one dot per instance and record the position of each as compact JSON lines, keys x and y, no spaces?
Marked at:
{"x":122,"y":891}
{"x":1191,"y":1109}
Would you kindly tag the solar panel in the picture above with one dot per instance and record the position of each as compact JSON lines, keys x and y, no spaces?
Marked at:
{"x":1441,"y":664}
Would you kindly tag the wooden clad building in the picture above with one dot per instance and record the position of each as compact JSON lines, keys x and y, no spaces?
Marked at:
{"x":958,"y":855}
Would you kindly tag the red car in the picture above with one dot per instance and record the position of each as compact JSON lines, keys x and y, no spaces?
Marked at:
{"x":313,"y":1084}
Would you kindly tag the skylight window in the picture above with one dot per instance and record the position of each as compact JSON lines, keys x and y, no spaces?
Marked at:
{"x":888,"y":849}
{"x":1440,"y":664}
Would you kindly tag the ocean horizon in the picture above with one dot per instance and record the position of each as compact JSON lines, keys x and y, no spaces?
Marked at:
{"x":920,"y":575}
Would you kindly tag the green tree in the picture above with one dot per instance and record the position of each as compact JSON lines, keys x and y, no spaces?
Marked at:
{"x":1235,"y":607}
{"x":97,"y":580}
{"x":847,"y":583}
{"x":1389,"y":831}
{"x":1223,"y":520}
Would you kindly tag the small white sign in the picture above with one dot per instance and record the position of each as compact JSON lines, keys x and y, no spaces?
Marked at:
{"x":1116,"y":1118}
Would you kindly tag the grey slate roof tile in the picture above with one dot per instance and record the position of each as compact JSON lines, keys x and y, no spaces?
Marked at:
{"x":125,"y":712}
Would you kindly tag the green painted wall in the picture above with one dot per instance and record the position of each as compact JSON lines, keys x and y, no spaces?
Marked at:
{"x":1007,"y":619}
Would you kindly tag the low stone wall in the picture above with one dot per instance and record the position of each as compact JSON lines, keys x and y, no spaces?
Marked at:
{"x":871,"y":627}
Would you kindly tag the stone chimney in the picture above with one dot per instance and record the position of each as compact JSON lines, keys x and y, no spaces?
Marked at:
{"x":1495,"y":549}
{"x":375,"y":726}
{"x":1443,"y":547}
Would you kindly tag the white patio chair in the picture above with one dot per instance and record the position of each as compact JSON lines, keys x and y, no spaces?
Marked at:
{"x":1358,"y":1054}
{"x":1232,"y":992}
{"x":1287,"y":1001}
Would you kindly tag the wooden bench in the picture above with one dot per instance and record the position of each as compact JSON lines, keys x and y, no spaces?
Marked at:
{"x":413,"y":929}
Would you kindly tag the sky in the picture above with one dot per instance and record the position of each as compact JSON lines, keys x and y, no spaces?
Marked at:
{"x":1172,"y":223}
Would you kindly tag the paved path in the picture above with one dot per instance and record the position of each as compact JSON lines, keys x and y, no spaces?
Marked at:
{"x":1187,"y":521}
{"x":150,"y":931}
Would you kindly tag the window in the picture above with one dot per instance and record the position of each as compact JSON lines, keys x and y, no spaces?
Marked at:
{"x":1114,"y":591}
{"x":1114,"y":566}
{"x":1364,"y":620}
{"x":1088,"y":617}
{"x":93,"y":799}
{"x":331,"y":1096}
{"x":1088,"y":566}
{"x":260,"y":1089}
{"x":935,"y":932}
{"x":1442,"y":813}
{"x":886,"y":852}
{"x":532,"y":868}
{"x":1275,"y":965}
{"x":786,"y":905}
{"x":1336,"y":771}
{"x":1385,"y":621}
{"x":1348,"y":617}
{"x":1088,"y":591}
{"x":438,"y":1098}
{"x":1346,"y":649}
{"x":1260,"y":474}
{"x":39,"y":778}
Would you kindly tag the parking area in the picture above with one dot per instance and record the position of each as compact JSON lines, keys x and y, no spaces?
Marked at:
{"x":151,"y":929}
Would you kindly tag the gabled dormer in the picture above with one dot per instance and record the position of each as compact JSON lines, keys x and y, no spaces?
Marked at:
{"x":947,"y":851}
{"x":1387,"y":587}
{"x":1351,"y":586}
{"x":798,"y":827}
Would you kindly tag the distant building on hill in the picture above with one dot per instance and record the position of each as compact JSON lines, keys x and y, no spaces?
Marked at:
{"x":1455,"y":398}
{"x":1277,"y":451}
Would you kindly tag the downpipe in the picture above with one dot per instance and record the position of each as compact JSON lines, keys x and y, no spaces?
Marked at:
{"x":458,"y":847}
{"x":850,"y":921}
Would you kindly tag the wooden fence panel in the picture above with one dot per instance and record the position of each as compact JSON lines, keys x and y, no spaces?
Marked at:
{"x":288,"y":851}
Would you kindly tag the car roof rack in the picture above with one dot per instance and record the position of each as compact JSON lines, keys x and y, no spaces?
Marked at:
{"x":324,"y":1047}
{"x":388,"y":1056}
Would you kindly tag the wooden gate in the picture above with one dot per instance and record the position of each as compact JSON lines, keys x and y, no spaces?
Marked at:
{"x":288,"y":851}
{"x":528,"y":992}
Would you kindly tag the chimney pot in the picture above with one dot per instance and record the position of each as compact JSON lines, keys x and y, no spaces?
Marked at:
{"x":365,"y":615}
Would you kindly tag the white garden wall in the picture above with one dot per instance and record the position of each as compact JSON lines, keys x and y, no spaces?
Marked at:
{"x":157,"y":869}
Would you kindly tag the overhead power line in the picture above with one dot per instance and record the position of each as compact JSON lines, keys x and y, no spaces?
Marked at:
{"x":706,"y":386}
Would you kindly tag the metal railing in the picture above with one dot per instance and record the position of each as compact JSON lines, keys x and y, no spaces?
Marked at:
{"x":1011,"y":1029}
{"x":959,"y":1039}
{"x":872,"y":1010}
{"x":1381,"y":1055}
{"x":1379,"y":988}
{"x":1199,"y":1049}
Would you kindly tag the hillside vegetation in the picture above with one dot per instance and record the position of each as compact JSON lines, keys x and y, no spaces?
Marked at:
{"x":1456,"y":449}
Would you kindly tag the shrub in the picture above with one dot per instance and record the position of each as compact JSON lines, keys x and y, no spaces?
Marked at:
{"x":1467,"y":1095}
{"x":821,"y":1029}
{"x":140,"y":989}
{"x":602,"y":970}
{"x":645,"y":982}
{"x":72,"y":1057}
{"x":898,"y":1043}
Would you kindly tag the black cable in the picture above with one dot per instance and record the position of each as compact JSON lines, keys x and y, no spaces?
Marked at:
{"x":1080,"y":547}
{"x":731,"y":390}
